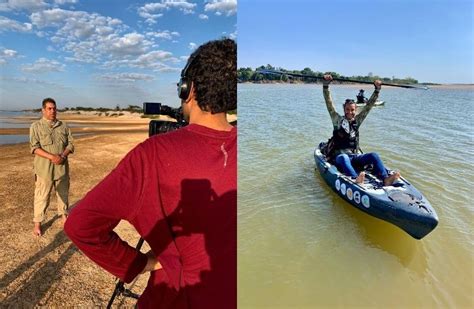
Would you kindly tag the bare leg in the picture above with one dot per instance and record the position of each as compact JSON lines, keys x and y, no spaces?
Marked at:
{"x":64,"y":218}
{"x":360,"y":179}
{"x":391,"y":179}
{"x":37,"y":229}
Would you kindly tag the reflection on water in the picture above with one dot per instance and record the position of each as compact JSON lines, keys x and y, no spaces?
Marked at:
{"x":7,"y":119}
{"x":14,"y":120}
{"x":301,"y":245}
{"x":13,"y":139}
{"x":378,"y":234}
{"x":17,"y":139}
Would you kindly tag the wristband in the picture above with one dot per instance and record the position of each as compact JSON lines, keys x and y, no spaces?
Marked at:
{"x":63,"y":156}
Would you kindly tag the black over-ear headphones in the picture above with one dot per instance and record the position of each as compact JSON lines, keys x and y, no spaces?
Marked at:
{"x":184,"y":85}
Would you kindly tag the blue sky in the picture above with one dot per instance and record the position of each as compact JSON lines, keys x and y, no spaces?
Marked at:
{"x":430,"y":40}
{"x":102,"y":52}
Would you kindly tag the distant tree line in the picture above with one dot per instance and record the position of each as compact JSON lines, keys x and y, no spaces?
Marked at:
{"x":249,"y":75}
{"x":130,"y":108}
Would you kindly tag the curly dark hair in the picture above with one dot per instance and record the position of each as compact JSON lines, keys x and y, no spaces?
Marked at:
{"x":213,"y":71}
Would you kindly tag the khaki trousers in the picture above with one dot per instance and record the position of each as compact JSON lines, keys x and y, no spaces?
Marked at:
{"x":42,"y":193}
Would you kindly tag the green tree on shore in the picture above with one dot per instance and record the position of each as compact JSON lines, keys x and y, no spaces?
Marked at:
{"x":249,"y":75}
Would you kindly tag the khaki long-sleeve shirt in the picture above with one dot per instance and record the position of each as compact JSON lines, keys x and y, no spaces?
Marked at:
{"x":336,"y":118}
{"x":53,"y":140}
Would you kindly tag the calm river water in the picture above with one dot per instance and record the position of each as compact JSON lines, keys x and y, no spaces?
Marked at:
{"x":300,"y":245}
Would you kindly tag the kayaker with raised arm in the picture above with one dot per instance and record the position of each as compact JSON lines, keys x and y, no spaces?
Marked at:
{"x":343,"y":148}
{"x":361,"y":97}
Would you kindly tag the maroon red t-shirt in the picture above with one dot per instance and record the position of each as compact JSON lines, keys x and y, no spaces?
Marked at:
{"x":179,"y":190}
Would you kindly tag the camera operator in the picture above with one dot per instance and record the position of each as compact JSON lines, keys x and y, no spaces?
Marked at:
{"x":179,"y":190}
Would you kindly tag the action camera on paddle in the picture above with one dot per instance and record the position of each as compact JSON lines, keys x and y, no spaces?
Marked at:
{"x":163,"y":126}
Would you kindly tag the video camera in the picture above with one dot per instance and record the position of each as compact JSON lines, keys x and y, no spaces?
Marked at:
{"x":163,"y":126}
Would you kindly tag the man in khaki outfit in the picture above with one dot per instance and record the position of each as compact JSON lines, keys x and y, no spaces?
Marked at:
{"x":51,"y":142}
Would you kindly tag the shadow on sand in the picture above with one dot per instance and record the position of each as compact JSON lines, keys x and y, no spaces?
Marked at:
{"x":35,"y":287}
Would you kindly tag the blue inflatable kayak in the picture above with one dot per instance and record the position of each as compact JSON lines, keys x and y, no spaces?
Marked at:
{"x":400,"y":204}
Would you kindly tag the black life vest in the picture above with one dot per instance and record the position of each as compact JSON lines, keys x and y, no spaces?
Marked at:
{"x":361,"y":98}
{"x":346,"y":137}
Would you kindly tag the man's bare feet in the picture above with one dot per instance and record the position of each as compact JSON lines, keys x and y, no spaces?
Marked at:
{"x":360,"y":179}
{"x":391,"y":179}
{"x":37,"y":229}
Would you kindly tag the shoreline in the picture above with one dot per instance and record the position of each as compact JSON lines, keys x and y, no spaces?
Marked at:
{"x":91,"y":123}
{"x":357,"y":85}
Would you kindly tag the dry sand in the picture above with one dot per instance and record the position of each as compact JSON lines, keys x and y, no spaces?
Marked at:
{"x":90,"y":122}
{"x":50,"y":271}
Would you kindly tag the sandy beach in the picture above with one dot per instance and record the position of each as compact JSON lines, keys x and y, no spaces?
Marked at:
{"x":50,"y":271}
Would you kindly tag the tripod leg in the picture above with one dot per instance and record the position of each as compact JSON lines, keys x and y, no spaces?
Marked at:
{"x":119,"y":289}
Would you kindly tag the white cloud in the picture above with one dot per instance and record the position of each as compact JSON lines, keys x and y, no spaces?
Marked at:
{"x":153,"y":11}
{"x":41,"y":34}
{"x":84,"y":37}
{"x":192,"y":46}
{"x":90,"y":37}
{"x":226,"y":7}
{"x":64,"y":1}
{"x":7,"y":24}
{"x":43,"y":65}
{"x":89,"y":59}
{"x":203,"y":16}
{"x":150,"y":18}
{"x":52,"y":18}
{"x":166,"y":34}
{"x":27,"y":5}
{"x":161,"y":67}
{"x":233,"y":35}
{"x":6,"y":54}
{"x":182,"y":5}
{"x":154,"y":6}
{"x":129,"y":44}
{"x":153,"y":60}
{"x":85,"y":51}
{"x":31,"y":5}
{"x":71,"y":20}
{"x":125,"y":77}
{"x":156,"y":55}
